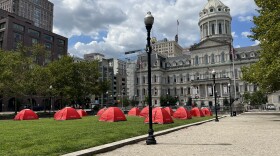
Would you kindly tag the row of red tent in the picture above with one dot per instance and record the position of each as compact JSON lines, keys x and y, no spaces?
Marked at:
{"x":112,"y":114}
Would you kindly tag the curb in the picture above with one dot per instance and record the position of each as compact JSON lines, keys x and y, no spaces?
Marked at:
{"x":114,"y":145}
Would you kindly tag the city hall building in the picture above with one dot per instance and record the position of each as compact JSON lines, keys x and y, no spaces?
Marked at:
{"x":189,"y":74}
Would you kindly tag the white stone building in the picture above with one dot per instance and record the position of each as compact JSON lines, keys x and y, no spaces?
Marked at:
{"x":189,"y":74}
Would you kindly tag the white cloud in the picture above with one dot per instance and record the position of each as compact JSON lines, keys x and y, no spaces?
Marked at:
{"x":245,"y":18}
{"x":256,"y":43}
{"x":237,"y":46}
{"x":246,"y":34}
{"x":118,"y":26}
{"x":233,"y":34}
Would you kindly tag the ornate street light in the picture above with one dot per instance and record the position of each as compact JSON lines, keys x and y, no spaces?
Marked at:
{"x":215,"y":94}
{"x":230,"y":107}
{"x":149,"y":20}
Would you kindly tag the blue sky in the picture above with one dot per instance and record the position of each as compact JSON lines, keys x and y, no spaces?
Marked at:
{"x":112,"y":27}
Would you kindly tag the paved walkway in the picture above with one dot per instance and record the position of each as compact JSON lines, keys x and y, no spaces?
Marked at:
{"x":250,"y":134}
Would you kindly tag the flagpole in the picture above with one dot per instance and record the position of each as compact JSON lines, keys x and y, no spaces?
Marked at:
{"x":234,"y":81}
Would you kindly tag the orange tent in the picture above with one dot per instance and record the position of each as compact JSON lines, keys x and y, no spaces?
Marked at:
{"x":101,"y":111}
{"x":67,"y":113}
{"x":26,"y":114}
{"x":169,"y":110}
{"x":112,"y":114}
{"x":160,"y":116}
{"x":206,"y":111}
{"x":82,"y":112}
{"x":197,"y":112}
{"x":182,"y":113}
{"x":134,"y":112}
{"x":144,"y":112}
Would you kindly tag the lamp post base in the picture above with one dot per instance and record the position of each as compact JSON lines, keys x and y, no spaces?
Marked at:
{"x":151,"y":139}
{"x":217,"y":120}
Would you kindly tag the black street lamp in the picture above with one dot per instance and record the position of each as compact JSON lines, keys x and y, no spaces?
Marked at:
{"x":52,"y":109}
{"x":215,"y":94}
{"x":149,"y":20}
{"x":230,"y":107}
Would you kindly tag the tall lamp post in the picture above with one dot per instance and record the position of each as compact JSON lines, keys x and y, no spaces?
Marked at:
{"x":230,"y":107}
{"x":52,"y":109}
{"x":215,"y":94}
{"x":149,"y":20}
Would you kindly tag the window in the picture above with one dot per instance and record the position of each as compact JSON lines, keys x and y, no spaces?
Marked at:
{"x":155,"y":91}
{"x":61,"y":42}
{"x":34,"y":32}
{"x":212,"y":58}
{"x":211,"y":10}
{"x":174,"y":77}
{"x":143,"y":79}
{"x":182,"y":90}
{"x":213,"y":29}
{"x":34,"y":41}
{"x":48,"y":46}
{"x":223,"y":57}
{"x":168,"y":79}
{"x":2,"y":25}
{"x":48,"y":37}
{"x":196,"y":60}
{"x":252,"y":54}
{"x":220,"y":28}
{"x":219,"y":9}
{"x":137,"y":80}
{"x":18,"y":27}
{"x":155,"y":78}
{"x":206,"y":59}
{"x":17,"y":37}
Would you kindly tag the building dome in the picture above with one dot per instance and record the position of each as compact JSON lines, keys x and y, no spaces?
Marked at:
{"x":215,"y":21}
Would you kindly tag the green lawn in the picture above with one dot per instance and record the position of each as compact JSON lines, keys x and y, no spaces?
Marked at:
{"x":50,"y":137}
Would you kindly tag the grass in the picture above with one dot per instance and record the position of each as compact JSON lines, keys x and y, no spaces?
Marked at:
{"x":50,"y":137}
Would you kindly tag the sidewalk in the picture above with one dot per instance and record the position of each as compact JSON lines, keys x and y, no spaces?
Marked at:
{"x":249,"y":134}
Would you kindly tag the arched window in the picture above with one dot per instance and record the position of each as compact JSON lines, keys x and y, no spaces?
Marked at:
{"x":155,"y":91}
{"x":223,"y":57}
{"x":197,"y":76}
{"x":206,"y":59}
{"x":212,"y":58}
{"x":155,"y":78}
{"x":174,"y":78}
{"x":182,"y":90}
{"x":196,"y":60}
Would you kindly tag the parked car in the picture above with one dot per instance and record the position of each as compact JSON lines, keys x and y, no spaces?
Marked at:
{"x":270,"y":107}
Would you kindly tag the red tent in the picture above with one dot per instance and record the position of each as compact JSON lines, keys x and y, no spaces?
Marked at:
{"x":82,"y":112}
{"x":169,"y":110}
{"x":112,"y":114}
{"x":67,"y":113}
{"x":144,"y":112}
{"x":160,"y":116}
{"x":197,"y":112}
{"x":182,"y":113}
{"x":26,"y":114}
{"x":101,"y":111}
{"x":206,"y":111}
{"x":134,"y":112}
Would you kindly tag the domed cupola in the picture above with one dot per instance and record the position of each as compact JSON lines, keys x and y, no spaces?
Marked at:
{"x":215,"y":21}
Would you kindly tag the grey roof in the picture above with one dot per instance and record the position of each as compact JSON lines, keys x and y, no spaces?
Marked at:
{"x":247,"y":49}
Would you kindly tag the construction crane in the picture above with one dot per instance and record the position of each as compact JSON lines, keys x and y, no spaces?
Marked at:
{"x":133,"y":51}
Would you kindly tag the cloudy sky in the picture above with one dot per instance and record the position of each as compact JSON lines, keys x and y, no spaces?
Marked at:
{"x":112,"y":27}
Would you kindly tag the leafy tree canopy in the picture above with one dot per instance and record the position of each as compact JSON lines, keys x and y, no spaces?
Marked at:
{"x":265,"y":73}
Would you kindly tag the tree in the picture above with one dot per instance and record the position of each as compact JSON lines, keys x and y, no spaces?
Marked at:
{"x":255,"y":99}
{"x":265,"y":73}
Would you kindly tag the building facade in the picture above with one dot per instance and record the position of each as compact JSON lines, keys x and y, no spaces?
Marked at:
{"x":15,"y":29}
{"x":189,"y":75}
{"x":113,"y":71}
{"x":167,"y":48}
{"x":38,"y":11}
